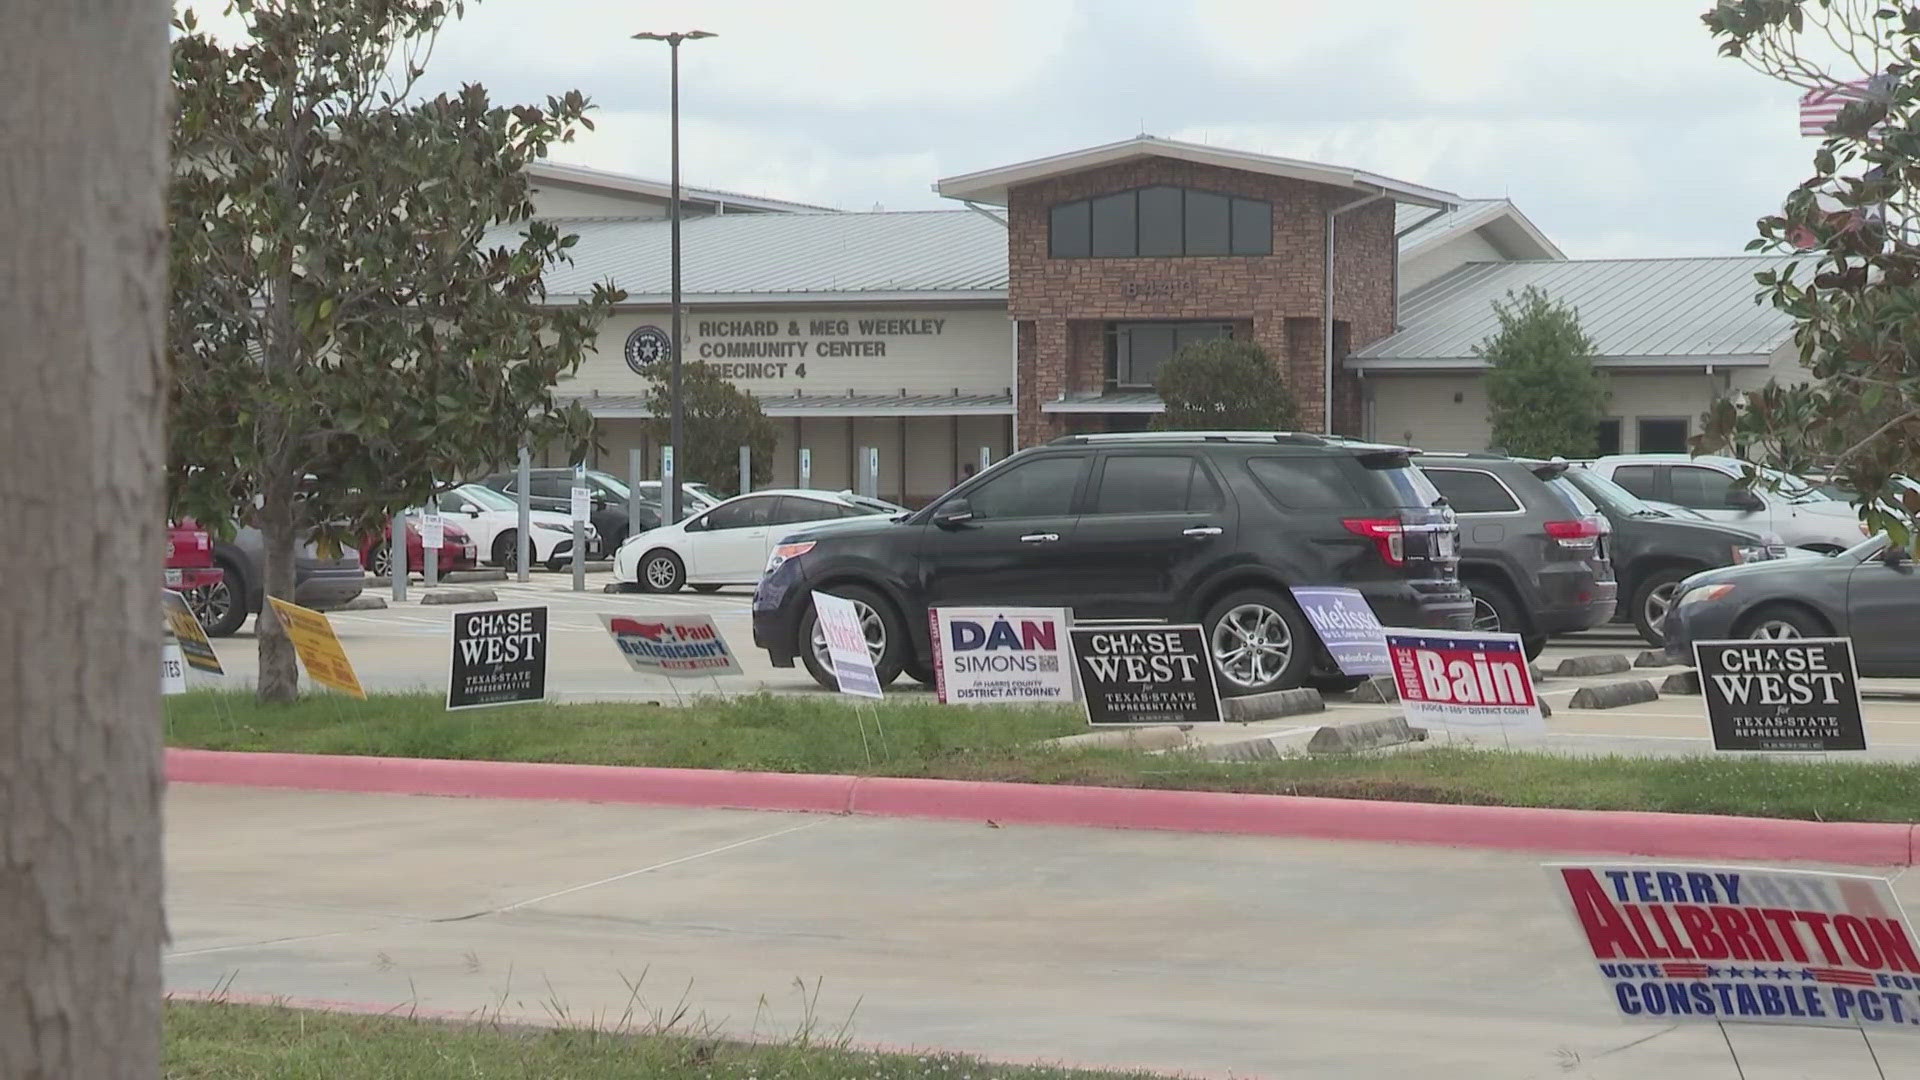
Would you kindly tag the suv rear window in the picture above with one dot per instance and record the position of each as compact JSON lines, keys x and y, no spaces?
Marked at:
{"x":1472,"y":491}
{"x":1396,"y":482}
{"x":1306,"y":483}
{"x":1570,"y":492}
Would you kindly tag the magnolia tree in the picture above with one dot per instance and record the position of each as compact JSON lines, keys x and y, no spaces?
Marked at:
{"x":1853,"y":298}
{"x":348,"y":331}
{"x":1544,"y":396}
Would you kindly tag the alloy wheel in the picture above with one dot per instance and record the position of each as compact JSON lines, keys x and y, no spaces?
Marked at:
{"x":1775,"y":630}
{"x":1659,"y":603}
{"x":383,"y":561}
{"x":660,"y":572}
{"x":1485,"y":618}
{"x":1251,"y":645}
{"x":211,"y":603}
{"x":871,"y":625}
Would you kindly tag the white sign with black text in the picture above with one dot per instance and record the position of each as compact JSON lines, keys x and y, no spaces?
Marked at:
{"x":996,"y":656}
{"x":847,"y":650}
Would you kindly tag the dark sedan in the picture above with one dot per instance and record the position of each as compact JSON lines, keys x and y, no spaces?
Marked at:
{"x":1869,"y":592}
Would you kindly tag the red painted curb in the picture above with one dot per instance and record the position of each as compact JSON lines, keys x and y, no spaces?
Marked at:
{"x":515,"y":780}
{"x":1497,"y":827}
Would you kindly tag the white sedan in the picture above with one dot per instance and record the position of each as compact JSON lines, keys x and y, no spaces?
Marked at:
{"x":728,"y":544}
{"x":493,"y":520}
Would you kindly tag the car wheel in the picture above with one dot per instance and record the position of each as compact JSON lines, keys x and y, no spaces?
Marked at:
{"x":1654,"y":599}
{"x":886,"y":638}
{"x":920,"y":673}
{"x":222,"y":606}
{"x":1258,"y":643}
{"x":1781,"y":622}
{"x":661,"y":571}
{"x":1496,"y":612}
{"x":706,"y":587}
{"x":506,"y":551}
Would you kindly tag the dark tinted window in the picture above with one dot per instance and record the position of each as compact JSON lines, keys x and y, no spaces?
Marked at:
{"x":1113,"y":225}
{"x":1305,"y":483}
{"x":1042,"y":487}
{"x":1663,"y":436}
{"x":793,"y":509}
{"x":1145,"y":485}
{"x":744,"y":514}
{"x":1208,"y":229}
{"x":551,"y":487}
{"x":1396,"y":483}
{"x":1139,"y":350}
{"x":1607,"y":437}
{"x":1701,"y":489}
{"x":1252,"y":227}
{"x":1636,"y":478}
{"x":1576,"y":500}
{"x":1160,"y":213}
{"x":1470,"y":491}
{"x":1067,"y":236}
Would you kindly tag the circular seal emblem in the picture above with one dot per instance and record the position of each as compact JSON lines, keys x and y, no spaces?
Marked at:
{"x":647,"y":345}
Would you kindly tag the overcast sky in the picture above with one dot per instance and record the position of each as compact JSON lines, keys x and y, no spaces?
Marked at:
{"x":1615,"y":126}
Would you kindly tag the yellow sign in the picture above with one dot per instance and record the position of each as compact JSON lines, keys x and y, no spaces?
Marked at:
{"x":194,"y":646}
{"x":320,"y":652}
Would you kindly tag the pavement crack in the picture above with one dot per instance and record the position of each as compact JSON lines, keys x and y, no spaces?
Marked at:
{"x":633,"y":873}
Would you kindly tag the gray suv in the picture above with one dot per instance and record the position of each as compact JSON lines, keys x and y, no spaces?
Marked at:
{"x":318,"y":580}
{"x":1533,"y":548}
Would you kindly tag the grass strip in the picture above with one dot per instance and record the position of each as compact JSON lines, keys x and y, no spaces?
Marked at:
{"x":225,"y":1041}
{"x":822,"y":735}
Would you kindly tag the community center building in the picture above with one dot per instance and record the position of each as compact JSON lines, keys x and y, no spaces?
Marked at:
{"x":1046,"y":300}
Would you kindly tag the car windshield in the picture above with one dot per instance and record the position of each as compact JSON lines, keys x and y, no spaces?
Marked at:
{"x":608,"y":483}
{"x":485,"y":497}
{"x":1611,"y":495}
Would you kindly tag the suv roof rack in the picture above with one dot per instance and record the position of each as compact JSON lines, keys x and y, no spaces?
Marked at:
{"x":1097,"y":437}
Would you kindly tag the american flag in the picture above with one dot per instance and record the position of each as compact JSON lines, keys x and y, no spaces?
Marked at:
{"x":1842,"y":976}
{"x":1684,"y":971}
{"x":1818,"y":108}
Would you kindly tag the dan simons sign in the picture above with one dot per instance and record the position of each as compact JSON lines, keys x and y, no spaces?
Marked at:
{"x":995,"y":655}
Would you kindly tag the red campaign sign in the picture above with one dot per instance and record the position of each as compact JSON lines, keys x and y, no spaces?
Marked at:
{"x":1726,"y":944}
{"x":1464,"y":682}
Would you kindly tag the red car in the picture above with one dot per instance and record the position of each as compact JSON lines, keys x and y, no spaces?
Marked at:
{"x":456,"y":550}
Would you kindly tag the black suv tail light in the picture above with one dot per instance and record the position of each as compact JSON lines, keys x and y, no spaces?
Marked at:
{"x":1387,"y":534}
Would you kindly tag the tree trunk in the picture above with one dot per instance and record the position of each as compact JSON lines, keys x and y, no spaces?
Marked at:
{"x":83,"y":88}
{"x":279,"y":667}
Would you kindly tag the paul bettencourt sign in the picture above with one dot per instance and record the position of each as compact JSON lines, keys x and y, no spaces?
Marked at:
{"x":677,"y":646}
{"x":499,"y":657}
{"x":1786,"y":694}
{"x":1147,"y":674}
{"x":314,"y":641}
{"x":1725,"y":944}
{"x":990,"y":656}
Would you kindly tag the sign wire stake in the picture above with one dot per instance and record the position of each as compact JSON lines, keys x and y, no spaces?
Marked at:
{"x":1738,"y":1071}
{"x":882,"y":729}
{"x":1870,"y":1053}
{"x":860,"y":720}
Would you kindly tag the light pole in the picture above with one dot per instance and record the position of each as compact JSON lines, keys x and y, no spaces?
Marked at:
{"x":675,"y":426}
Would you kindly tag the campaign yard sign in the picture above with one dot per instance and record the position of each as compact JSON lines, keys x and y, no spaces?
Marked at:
{"x":1347,"y":627}
{"x":677,"y":646}
{"x":499,"y":657}
{"x":318,"y":647}
{"x":1727,"y":944}
{"x":1792,"y":694}
{"x":846,"y":645}
{"x":1146,"y":674}
{"x":195,"y":646}
{"x":1465,"y":682}
{"x":998,"y":655}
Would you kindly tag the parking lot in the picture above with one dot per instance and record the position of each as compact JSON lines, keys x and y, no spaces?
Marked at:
{"x":406,"y":648}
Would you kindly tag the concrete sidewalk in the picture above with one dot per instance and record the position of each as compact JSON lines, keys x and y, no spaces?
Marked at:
{"x":1209,"y":954}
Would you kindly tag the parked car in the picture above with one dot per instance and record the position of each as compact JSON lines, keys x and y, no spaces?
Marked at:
{"x":1869,"y":592}
{"x":1533,"y":549}
{"x":693,"y":497}
{"x":1654,"y":551}
{"x":1193,"y":527}
{"x":318,"y":580}
{"x":552,"y":489}
{"x":1784,"y":505}
{"x":728,"y":544}
{"x":457,"y":551}
{"x":493,"y":521}
{"x":189,"y":568}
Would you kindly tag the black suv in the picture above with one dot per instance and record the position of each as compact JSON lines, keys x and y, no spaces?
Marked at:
{"x":552,"y":489}
{"x":1653,"y":551}
{"x":1533,"y":548}
{"x":1191,"y":527}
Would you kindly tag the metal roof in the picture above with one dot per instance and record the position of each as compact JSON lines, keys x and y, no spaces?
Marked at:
{"x":991,"y":185}
{"x":585,"y":176}
{"x":1421,"y":228}
{"x":826,"y":405}
{"x":1109,"y":401}
{"x":938,"y":254}
{"x":1639,"y":312}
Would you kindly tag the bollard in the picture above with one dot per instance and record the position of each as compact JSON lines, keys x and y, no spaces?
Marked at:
{"x":523,"y":540}
{"x":397,"y":555}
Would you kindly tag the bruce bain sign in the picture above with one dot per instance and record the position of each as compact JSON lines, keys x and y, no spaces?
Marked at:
{"x":1784,"y":694}
{"x":499,"y":657}
{"x":1147,"y":674}
{"x":1466,"y":683}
